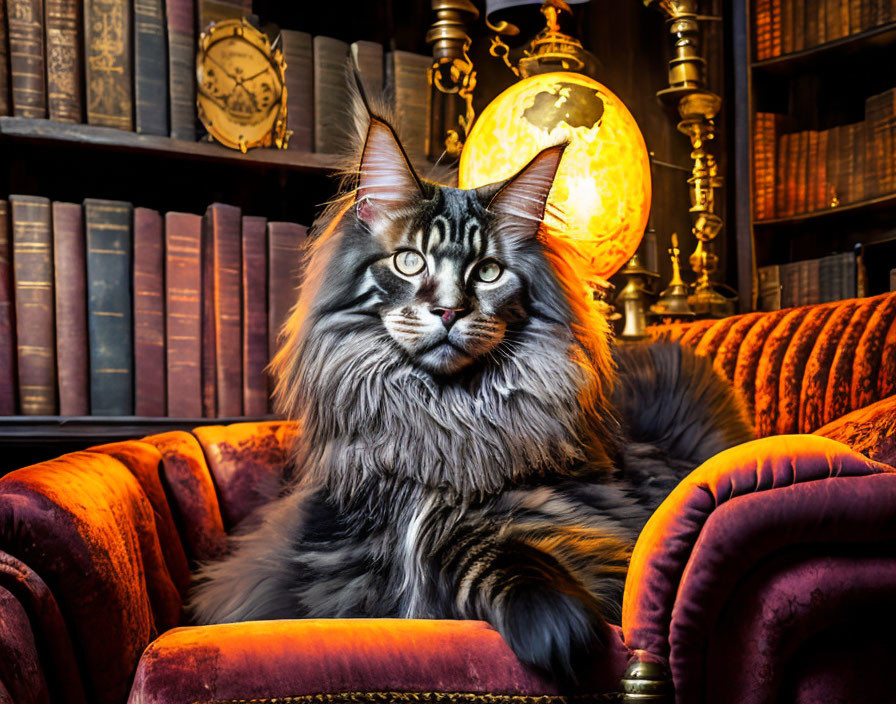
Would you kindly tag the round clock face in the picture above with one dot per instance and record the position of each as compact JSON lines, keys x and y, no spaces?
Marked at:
{"x":241,"y":93}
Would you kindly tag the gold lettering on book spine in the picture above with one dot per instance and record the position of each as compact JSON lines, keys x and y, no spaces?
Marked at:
{"x":108,"y":62}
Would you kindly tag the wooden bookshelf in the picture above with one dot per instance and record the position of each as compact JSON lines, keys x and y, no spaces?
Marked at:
{"x":817,"y":57}
{"x":27,"y":430}
{"x":817,"y":89}
{"x":40,"y":131}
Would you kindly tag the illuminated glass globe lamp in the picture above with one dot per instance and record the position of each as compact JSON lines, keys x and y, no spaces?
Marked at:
{"x":600,"y":199}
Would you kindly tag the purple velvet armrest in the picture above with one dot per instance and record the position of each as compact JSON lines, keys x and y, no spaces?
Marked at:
{"x":760,"y":554}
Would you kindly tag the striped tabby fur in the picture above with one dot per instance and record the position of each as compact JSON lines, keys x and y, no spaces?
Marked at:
{"x":461,"y":455}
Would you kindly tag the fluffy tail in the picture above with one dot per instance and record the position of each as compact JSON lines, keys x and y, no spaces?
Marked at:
{"x":676,"y":412}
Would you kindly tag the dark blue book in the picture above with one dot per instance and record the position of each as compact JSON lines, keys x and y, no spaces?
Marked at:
{"x":150,"y":68}
{"x":109,"y":311}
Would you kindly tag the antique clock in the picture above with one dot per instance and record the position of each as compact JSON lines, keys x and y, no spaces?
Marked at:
{"x":241,"y":96}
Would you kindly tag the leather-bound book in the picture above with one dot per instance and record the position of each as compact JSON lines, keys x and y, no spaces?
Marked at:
{"x":207,"y":336}
{"x":783,"y":148}
{"x":5,"y":105}
{"x":72,"y":357}
{"x":218,"y":10}
{"x":762,"y":29}
{"x":799,"y":24}
{"x":820,"y":198}
{"x":255,"y":316}
{"x":793,"y":170}
{"x":181,"y":68}
{"x":776,"y":28}
{"x":855,"y":16}
{"x":299,"y":88}
{"x":150,"y":73}
{"x":149,"y":314}
{"x":832,"y":168}
{"x":62,"y":22}
{"x":183,"y":314}
{"x":857,"y":181}
{"x":285,"y":240}
{"x":224,"y":225}
{"x":109,"y":313}
{"x":7,"y":318}
{"x":107,"y":59}
{"x":410,"y":75}
{"x":832,"y":27}
{"x":32,"y":256}
{"x":331,"y":97}
{"x":26,"y":57}
{"x":369,"y":58}
{"x":811,"y":23}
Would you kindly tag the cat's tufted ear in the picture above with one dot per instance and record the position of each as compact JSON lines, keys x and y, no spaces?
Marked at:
{"x":387,"y":182}
{"x":525,"y":195}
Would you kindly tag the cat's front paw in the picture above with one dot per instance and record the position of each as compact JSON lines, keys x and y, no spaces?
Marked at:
{"x":552,"y":630}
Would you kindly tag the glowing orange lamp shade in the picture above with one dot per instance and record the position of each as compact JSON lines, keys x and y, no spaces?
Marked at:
{"x":602,"y":189}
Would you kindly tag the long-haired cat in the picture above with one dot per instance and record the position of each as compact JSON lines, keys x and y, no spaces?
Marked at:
{"x":462,"y":452}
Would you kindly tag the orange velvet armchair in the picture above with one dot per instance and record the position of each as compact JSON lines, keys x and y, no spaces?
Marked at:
{"x":768,"y":574}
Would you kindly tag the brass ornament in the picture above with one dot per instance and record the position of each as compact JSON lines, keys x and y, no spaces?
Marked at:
{"x":673,"y":301}
{"x":241,"y":87}
{"x":632,"y":299}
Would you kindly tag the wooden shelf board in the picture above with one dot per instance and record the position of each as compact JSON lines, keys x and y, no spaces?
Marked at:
{"x":879,"y":203}
{"x":24,"y":129}
{"x":881,"y":36}
{"x":31,"y":429}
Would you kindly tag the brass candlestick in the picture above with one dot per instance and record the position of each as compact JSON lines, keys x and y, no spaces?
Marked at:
{"x":633,"y":298}
{"x":673,"y":301}
{"x":698,"y":108}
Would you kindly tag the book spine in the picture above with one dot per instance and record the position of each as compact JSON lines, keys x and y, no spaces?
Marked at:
{"x":26,"y":57}
{"x":813,"y":284}
{"x":763,"y":29}
{"x":848,"y":266}
{"x":255,"y":316}
{"x":833,"y":30}
{"x":35,"y":305}
{"x":845,"y":29}
{"x":798,"y":25}
{"x":181,"y":68}
{"x":226,"y":222}
{"x":72,"y":360}
{"x":888,"y":139}
{"x":758,"y":165}
{"x":821,"y":181}
{"x":811,"y":23}
{"x":802,"y":173}
{"x":183,"y":319}
{"x":284,"y":275}
{"x":109,"y":248}
{"x":777,"y":47}
{"x":845,"y":182}
{"x":412,"y":104}
{"x":149,"y":314}
{"x":5,"y":105}
{"x":107,"y":50}
{"x":7,"y":318}
{"x":150,"y":75}
{"x":821,"y":20}
{"x":857,"y":178}
{"x":855,"y":16}
{"x":770,"y":287}
{"x":787,"y":26}
{"x":63,"y":60}
{"x":833,"y":194}
{"x":207,"y":344}
{"x":781,"y":174}
{"x":299,"y":89}
{"x":331,"y":95}
{"x":793,"y":170}
{"x":811,"y":185}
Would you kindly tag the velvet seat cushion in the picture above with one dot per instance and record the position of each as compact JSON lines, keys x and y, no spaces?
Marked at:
{"x":358,"y":660}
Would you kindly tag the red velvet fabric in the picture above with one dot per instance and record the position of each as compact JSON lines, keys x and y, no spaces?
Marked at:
{"x":734,"y":510}
{"x":870,"y":430}
{"x":776,"y":610}
{"x":800,"y":368}
{"x":282,"y":659}
{"x":85,"y":524}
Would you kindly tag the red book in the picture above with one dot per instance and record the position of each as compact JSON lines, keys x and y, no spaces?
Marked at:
{"x":285,"y":240}
{"x":149,"y":314}
{"x":7,"y":319}
{"x":811,"y":184}
{"x":223,"y":229}
{"x":763,"y":29}
{"x":183,"y":320}
{"x":72,"y":353}
{"x":781,"y":175}
{"x":32,"y":255}
{"x":255,"y":316}
{"x":820,"y":199}
{"x":207,"y":346}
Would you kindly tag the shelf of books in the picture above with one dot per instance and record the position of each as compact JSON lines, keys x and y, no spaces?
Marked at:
{"x":820,"y":135}
{"x":144,"y":271}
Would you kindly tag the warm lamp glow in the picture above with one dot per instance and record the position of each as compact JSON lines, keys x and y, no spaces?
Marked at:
{"x":602,"y":189}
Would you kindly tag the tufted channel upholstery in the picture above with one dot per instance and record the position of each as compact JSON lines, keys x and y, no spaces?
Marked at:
{"x":767,"y":575}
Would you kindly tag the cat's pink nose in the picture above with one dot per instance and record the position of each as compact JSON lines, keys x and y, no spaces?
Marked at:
{"x":449,"y":315}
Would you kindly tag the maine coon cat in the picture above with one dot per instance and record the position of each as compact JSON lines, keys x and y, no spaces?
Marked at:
{"x":463,"y":453}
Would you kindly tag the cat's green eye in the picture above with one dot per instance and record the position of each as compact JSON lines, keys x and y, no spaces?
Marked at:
{"x":409,"y":262}
{"x":489,"y":271}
